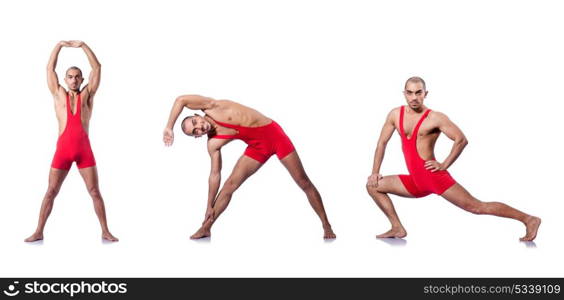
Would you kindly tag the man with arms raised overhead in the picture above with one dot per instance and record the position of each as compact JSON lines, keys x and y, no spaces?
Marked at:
{"x":73,"y":109}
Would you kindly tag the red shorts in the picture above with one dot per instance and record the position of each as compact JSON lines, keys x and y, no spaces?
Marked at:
{"x":73,"y":148}
{"x":267,"y":141}
{"x":425,"y":182}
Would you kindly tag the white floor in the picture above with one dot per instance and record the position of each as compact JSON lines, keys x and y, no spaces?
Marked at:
{"x":463,"y":245}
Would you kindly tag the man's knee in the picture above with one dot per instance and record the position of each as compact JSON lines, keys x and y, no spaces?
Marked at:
{"x":374,"y":190}
{"x":230,"y":186}
{"x":304,"y":183}
{"x":52,"y":192}
{"x":94,"y":192}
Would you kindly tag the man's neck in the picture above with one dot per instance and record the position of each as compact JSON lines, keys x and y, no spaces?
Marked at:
{"x":419,"y":110}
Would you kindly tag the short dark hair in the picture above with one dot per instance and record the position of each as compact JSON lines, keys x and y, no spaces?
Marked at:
{"x":74,"y":68}
{"x":416,"y":79}
{"x":182,"y":124}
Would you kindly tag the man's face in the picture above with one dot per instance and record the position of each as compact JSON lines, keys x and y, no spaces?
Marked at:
{"x":414,"y":94}
{"x":73,"y":79}
{"x":196,"y":126}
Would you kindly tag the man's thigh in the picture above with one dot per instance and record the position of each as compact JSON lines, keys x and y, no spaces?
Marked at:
{"x":392,"y":184}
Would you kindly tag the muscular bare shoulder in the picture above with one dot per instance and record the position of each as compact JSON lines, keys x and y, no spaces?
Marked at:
{"x":60,"y":99}
{"x":393,"y":116}
{"x":438,"y":118}
{"x":215,"y":106}
{"x":86,"y":96}
{"x":61,"y":94}
{"x":215,"y":145}
{"x":224,"y":103}
{"x":228,"y":106}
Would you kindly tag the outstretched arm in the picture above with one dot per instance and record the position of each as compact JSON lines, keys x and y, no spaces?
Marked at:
{"x":95,"y":73}
{"x":385,"y":135}
{"x":454,"y":133}
{"x":214,"y":150}
{"x":188,"y":101}
{"x":52,"y":79}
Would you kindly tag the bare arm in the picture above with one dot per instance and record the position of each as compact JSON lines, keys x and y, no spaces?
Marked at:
{"x":454,"y":133}
{"x":188,"y":101}
{"x":214,"y":150}
{"x":52,"y":79}
{"x":385,"y":135}
{"x":95,"y":73}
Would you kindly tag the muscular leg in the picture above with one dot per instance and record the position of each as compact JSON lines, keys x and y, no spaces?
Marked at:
{"x":90,"y":176}
{"x":389,"y":184}
{"x":56,"y":178}
{"x":244,"y":168}
{"x":460,"y":197}
{"x":293,"y":163}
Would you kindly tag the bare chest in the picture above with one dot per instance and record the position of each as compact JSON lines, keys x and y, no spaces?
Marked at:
{"x":427,"y":128}
{"x":72,"y":107}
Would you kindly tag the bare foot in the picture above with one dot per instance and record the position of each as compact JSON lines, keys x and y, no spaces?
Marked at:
{"x":201,"y":233}
{"x":34,"y":237}
{"x":329,"y":234}
{"x":393,"y":233}
{"x":532,"y":224}
{"x":109,"y":237}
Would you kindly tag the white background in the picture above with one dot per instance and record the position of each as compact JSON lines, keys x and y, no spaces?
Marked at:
{"x":328,"y":72}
